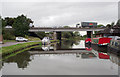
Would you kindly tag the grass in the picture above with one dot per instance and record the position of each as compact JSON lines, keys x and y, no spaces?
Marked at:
{"x":8,"y":41}
{"x":73,"y":38}
{"x":29,"y":39}
{"x":6,"y":57}
{"x":33,"y":38}
{"x":10,"y":49}
{"x":54,"y":40}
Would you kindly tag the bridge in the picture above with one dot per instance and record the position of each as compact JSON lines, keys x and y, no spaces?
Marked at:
{"x":78,"y":53}
{"x":60,"y":52}
{"x":43,"y":29}
{"x":57,"y":31}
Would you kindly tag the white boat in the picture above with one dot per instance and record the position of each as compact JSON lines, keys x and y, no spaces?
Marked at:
{"x":46,"y":40}
{"x":46,"y":47}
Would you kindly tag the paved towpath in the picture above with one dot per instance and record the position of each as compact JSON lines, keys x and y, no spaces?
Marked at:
{"x":13,"y":43}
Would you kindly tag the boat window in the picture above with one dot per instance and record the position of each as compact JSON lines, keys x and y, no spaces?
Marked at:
{"x":116,"y":44}
{"x":118,"y":39}
{"x":112,"y":43}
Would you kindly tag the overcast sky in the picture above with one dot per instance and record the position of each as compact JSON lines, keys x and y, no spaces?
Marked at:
{"x":48,"y":14}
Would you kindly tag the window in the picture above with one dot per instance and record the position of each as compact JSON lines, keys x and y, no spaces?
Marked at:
{"x":116,"y":44}
{"x":112,"y":43}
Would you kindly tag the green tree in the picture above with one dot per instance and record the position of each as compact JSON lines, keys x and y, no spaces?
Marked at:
{"x":118,"y":23}
{"x":21,"y":25}
{"x":108,"y":26}
{"x":66,"y":26}
{"x":41,"y":34}
{"x":100,"y":25}
{"x":8,"y":34}
{"x":3,"y":23}
{"x":66,"y":35}
{"x":9,"y":21}
{"x":112,"y":24}
{"x":76,"y":34}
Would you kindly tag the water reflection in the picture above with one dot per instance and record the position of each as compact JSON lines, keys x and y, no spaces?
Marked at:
{"x":46,"y":47}
{"x":114,"y":58}
{"x":88,"y":55}
{"x":88,"y":47}
{"x":47,"y":60}
{"x":65,"y":44}
{"x":21,"y":59}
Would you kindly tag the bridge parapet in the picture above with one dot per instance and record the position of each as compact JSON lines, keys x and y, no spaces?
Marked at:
{"x":63,"y":29}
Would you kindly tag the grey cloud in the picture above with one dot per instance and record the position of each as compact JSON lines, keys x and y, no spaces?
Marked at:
{"x":63,"y":13}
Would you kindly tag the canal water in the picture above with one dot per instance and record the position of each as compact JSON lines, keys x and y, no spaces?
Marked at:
{"x":79,"y":60}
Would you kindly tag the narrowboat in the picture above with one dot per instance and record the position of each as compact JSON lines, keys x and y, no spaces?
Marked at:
{"x":114,"y":46}
{"x":99,"y":48}
{"x":88,"y":47}
{"x":101,"y":55}
{"x":88,"y":41}
{"x":104,"y":41}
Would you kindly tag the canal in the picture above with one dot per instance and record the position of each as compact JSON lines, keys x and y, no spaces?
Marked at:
{"x":65,"y":58}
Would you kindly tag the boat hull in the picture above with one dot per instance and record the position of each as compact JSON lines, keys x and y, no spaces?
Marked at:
{"x":98,"y":48}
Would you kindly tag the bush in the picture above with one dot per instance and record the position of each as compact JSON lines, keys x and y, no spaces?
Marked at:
{"x":8,"y":35}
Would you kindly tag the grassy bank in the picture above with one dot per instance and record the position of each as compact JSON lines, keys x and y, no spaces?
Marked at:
{"x":72,"y":38}
{"x":10,"y":49}
{"x":54,"y":40}
{"x":13,"y":50}
{"x":17,"y":47}
{"x":14,"y":54}
{"x":33,"y":38}
{"x":27,"y":37}
{"x":4,"y":41}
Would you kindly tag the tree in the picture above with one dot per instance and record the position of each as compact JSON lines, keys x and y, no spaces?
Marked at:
{"x":76,"y":34}
{"x":41,"y":34}
{"x":7,"y":34}
{"x":66,"y":34}
{"x":9,"y":21}
{"x":100,"y":25}
{"x":3,"y":23}
{"x":118,"y":23}
{"x":66,"y":26}
{"x":108,"y":26}
{"x":21,"y":25}
{"x":112,"y":24}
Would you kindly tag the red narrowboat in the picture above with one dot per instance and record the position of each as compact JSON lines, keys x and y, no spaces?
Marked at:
{"x":88,"y":41}
{"x":101,"y":41}
{"x":103,"y":56}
